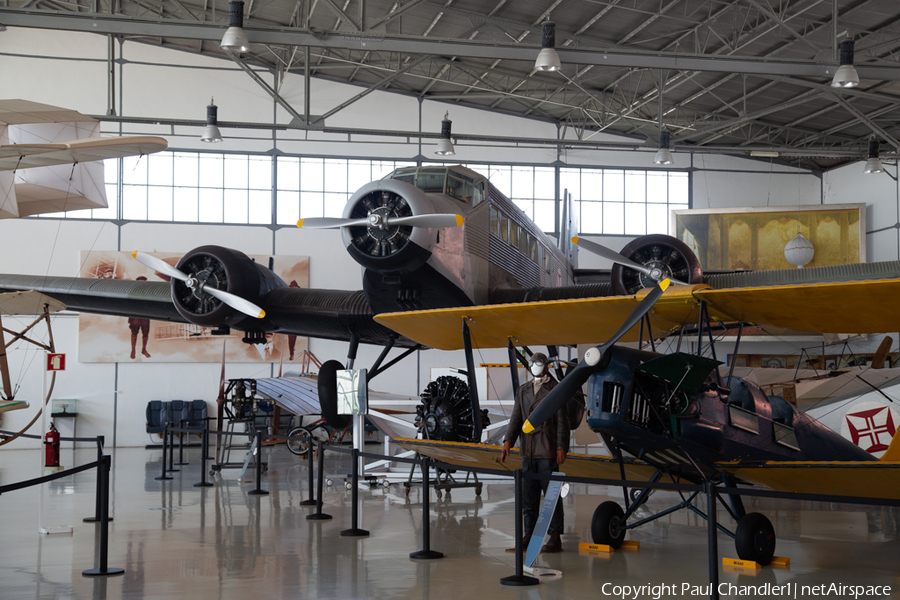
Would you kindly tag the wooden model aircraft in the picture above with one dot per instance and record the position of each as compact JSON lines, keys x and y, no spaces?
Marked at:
{"x":49,"y":158}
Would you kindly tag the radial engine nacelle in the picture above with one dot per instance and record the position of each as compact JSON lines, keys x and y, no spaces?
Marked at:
{"x":382,"y":246}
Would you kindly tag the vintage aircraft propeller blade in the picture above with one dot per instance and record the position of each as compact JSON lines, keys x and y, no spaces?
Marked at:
{"x":621,"y":259}
{"x":159,"y":265}
{"x":235,"y":302}
{"x":377,"y":220}
{"x":572,"y":382}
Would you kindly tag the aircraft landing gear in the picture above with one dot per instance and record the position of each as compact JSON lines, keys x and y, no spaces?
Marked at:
{"x":755,"y":538}
{"x":299,"y":447}
{"x":608,"y":524}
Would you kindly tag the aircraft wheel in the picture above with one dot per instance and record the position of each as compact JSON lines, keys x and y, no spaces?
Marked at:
{"x":755,"y":538}
{"x":478,"y":490}
{"x":299,"y":447}
{"x":608,"y":524}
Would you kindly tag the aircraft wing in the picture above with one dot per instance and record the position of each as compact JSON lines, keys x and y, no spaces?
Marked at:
{"x":327,"y":314}
{"x":25,"y":156}
{"x":870,"y":479}
{"x":844,"y":307}
{"x":488,"y":457}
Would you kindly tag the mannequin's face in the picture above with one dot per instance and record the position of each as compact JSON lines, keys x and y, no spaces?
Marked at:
{"x":537,"y":368}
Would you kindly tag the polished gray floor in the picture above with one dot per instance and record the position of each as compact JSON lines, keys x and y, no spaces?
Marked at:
{"x":178,"y":541}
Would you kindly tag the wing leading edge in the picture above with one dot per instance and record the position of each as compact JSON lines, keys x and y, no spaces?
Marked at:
{"x":845,"y":307}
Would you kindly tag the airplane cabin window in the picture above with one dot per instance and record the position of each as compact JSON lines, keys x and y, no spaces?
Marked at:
{"x":523,"y":241}
{"x":513,"y":234}
{"x":504,"y":227}
{"x":547,"y":262}
{"x":495,"y":221}
{"x":532,"y":249}
{"x":478,"y":198}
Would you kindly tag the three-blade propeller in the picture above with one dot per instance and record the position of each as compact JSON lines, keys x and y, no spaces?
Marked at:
{"x":235,"y":302}
{"x":576,"y":378}
{"x":381,"y":221}
{"x":609,"y":254}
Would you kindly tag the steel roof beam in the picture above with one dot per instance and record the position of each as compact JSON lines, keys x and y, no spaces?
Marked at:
{"x":118,"y":25}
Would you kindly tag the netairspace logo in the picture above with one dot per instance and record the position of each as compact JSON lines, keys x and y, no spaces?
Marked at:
{"x":729,"y":590}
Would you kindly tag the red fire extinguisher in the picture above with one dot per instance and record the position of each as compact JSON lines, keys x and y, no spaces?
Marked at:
{"x":51,"y":448}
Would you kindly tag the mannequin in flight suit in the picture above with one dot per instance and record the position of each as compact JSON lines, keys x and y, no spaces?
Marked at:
{"x":542,"y":450}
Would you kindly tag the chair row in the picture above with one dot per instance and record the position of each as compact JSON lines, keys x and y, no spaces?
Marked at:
{"x":161,"y":412}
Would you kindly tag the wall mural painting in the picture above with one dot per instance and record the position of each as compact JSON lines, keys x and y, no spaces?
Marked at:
{"x":104,"y":339}
{"x":754,"y":238}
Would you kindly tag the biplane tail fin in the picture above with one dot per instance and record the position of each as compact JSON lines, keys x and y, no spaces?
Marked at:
{"x":893,"y":451}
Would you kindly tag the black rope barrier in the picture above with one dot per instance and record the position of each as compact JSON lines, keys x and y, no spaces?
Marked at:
{"x":99,"y":491}
{"x":354,"y":530}
{"x":519,"y":579}
{"x":311,"y":501}
{"x":258,"y":491}
{"x":426,"y":553}
{"x":319,"y":515}
{"x":165,"y":437}
{"x":12,"y":487}
{"x":204,"y":451}
{"x":103,"y":569}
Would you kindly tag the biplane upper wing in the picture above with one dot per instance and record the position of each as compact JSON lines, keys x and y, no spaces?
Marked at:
{"x":488,"y":457}
{"x":25,"y":156}
{"x":845,"y":307}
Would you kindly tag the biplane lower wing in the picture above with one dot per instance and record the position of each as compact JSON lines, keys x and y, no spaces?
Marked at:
{"x":488,"y":457}
{"x":843,"y":307}
{"x":869,"y":479}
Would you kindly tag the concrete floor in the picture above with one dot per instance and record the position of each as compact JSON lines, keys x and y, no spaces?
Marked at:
{"x":178,"y":541}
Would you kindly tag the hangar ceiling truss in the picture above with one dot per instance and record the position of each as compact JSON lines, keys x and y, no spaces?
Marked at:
{"x":730,"y":75}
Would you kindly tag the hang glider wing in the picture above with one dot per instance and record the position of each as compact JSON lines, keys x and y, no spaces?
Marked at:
{"x":845,"y":307}
{"x":49,"y":158}
{"x":488,"y":457}
{"x":871,"y":479}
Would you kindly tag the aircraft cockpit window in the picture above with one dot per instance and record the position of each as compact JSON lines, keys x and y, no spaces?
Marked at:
{"x":460,"y":187}
{"x":431,"y":181}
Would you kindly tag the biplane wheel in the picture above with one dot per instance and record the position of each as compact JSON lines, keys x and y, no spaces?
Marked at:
{"x":478,"y":490}
{"x":299,"y":447}
{"x":329,"y":482}
{"x":608,"y":525}
{"x":348,"y":485}
{"x":755,"y":538}
{"x":385,"y":483}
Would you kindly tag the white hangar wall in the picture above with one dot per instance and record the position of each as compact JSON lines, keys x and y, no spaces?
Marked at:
{"x":165,"y":83}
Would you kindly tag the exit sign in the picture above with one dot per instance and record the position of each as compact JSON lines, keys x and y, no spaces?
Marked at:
{"x":56,"y":362}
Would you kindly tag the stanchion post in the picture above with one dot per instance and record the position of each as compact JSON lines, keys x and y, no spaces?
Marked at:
{"x":104,"y":570}
{"x":311,"y":501}
{"x":206,"y":452}
{"x":203,"y":458}
{"x":172,"y":468}
{"x":319,"y":515}
{"x":713,"y":540}
{"x":519,"y":578}
{"x":354,"y":530}
{"x":426,"y":552}
{"x":99,"y":492}
{"x":258,"y":491}
{"x":181,"y":460}
{"x":162,"y":475}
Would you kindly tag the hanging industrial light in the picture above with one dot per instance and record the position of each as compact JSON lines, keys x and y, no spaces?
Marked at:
{"x":664,"y":155}
{"x":548,"y":59}
{"x":445,"y":146}
{"x":235,"y":40}
{"x":873,"y":163}
{"x":846,"y":75}
{"x":211,"y":132}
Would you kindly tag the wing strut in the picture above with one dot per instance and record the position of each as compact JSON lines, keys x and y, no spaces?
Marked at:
{"x":473,"y":386}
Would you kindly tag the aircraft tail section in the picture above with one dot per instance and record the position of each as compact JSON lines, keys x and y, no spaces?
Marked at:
{"x":893,"y":451}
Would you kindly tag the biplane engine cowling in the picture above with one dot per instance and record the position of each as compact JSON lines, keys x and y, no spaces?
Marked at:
{"x":225,"y":269}
{"x":390,"y":248}
{"x":666,"y":255}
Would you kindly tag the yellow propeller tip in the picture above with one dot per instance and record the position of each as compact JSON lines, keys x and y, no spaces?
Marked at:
{"x":575,"y":240}
{"x":665,"y":283}
{"x":134,"y":254}
{"x":261,"y":314}
{"x":300,"y":223}
{"x":527,"y":427}
{"x":459,"y":220}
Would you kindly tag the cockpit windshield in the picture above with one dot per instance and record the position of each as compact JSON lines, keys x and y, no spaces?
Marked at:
{"x":437,"y":180}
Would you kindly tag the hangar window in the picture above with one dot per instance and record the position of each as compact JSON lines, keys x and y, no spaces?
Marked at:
{"x":629,"y":202}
